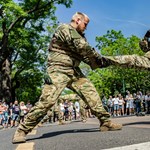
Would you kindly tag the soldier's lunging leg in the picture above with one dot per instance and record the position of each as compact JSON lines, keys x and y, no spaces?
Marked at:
{"x":83,"y":110}
{"x":47,"y":117}
{"x":50,"y":94}
{"x":88,"y":93}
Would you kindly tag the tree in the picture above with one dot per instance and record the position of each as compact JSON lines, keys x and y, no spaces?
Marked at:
{"x":23,"y":23}
{"x":116,"y":79}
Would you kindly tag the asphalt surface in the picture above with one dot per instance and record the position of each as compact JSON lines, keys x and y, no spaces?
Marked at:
{"x":76,"y":135}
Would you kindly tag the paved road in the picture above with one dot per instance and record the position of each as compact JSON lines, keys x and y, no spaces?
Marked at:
{"x":84,"y":136}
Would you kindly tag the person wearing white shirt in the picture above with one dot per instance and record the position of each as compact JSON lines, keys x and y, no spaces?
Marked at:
{"x":116,"y":105}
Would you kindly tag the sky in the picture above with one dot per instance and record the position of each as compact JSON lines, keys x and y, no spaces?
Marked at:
{"x":131,"y":17}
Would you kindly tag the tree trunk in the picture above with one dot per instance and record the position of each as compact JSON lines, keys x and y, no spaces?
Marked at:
{"x":5,"y":81}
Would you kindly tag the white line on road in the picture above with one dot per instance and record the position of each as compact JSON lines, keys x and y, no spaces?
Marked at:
{"x":141,"y":146}
{"x":25,"y":146}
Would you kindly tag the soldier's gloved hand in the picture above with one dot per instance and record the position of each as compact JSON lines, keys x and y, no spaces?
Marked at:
{"x":144,"y":45}
{"x":47,"y":79}
{"x":103,"y":62}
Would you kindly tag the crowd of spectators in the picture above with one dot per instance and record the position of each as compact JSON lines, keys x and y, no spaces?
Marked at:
{"x":131,"y":104}
{"x":69,"y":110}
{"x":12,"y":114}
{"x":117,"y":105}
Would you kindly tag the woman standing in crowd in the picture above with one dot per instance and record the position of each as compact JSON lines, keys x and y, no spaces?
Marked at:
{"x":23,"y":111}
{"x":6,"y":114}
{"x":110,"y":106}
{"x":121,"y":105}
{"x":62,"y":108}
{"x":2,"y":109}
{"x":131,"y":109}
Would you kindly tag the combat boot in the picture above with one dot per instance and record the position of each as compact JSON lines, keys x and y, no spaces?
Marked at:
{"x":109,"y":126}
{"x":19,"y":137}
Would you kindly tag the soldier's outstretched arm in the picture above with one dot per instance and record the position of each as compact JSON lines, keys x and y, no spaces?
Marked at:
{"x":130,"y":61}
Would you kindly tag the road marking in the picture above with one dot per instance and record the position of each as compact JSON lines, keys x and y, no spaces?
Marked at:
{"x":25,"y":146}
{"x":141,"y":146}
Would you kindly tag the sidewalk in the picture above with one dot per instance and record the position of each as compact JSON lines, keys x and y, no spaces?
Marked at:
{"x":132,"y":121}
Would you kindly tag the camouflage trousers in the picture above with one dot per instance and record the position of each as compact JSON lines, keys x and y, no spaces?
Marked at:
{"x":74,"y":80}
{"x":131,"y":60}
{"x":50,"y":115}
{"x":82,"y":109}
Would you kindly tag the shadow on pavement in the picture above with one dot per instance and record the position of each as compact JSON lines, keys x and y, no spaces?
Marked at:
{"x":137,"y":123}
{"x":52,"y":134}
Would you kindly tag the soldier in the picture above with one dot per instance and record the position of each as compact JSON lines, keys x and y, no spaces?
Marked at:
{"x":68,"y":47}
{"x":47,"y":117}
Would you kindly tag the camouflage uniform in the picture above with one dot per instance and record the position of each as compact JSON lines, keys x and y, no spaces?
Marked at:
{"x":67,"y":49}
{"x":48,"y":116}
{"x":52,"y":114}
{"x":83,"y":110}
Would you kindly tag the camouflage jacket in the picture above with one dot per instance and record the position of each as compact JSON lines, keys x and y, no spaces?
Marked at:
{"x":147,"y":55}
{"x":68,"y":48}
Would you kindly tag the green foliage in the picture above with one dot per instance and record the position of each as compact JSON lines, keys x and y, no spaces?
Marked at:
{"x":30,"y":85}
{"x":116,"y":79}
{"x":114,"y":43}
{"x":103,"y":80}
{"x":26,"y":27}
